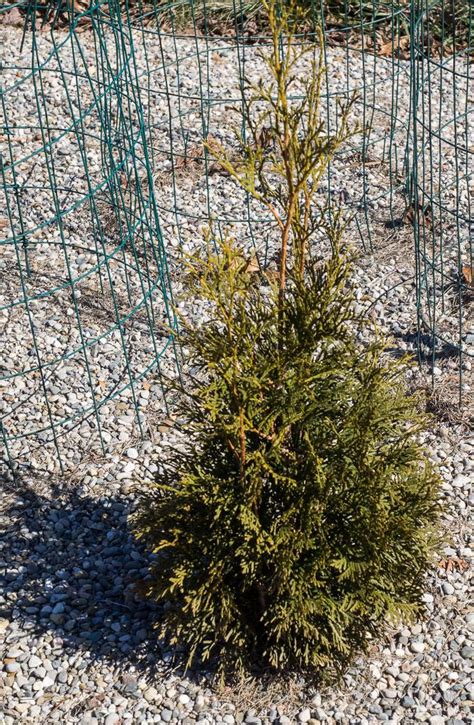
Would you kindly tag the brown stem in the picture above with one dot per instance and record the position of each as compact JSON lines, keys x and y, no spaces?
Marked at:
{"x":272,"y":209}
{"x":243,"y":446}
{"x":261,"y":598}
{"x":284,"y":245}
{"x":307,"y":209}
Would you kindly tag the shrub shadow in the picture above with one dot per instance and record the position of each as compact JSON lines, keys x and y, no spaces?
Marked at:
{"x":71,"y":569}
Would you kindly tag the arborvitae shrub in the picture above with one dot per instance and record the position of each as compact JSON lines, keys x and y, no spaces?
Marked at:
{"x":301,"y":517}
{"x":301,"y":513}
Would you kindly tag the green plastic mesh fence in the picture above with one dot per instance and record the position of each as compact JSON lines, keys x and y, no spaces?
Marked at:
{"x":85,"y":293}
{"x":106,"y":182}
{"x":442,"y":186}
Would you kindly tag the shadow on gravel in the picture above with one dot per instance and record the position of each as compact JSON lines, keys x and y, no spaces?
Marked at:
{"x":71,"y":566}
{"x":444,"y":350}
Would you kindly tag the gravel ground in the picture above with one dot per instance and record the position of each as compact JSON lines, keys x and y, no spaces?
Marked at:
{"x":77,"y":644}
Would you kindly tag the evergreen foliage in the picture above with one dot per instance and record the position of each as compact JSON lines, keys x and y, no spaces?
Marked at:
{"x":299,"y":515}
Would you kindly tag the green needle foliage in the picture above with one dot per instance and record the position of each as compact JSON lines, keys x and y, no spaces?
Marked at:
{"x":299,"y":514}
